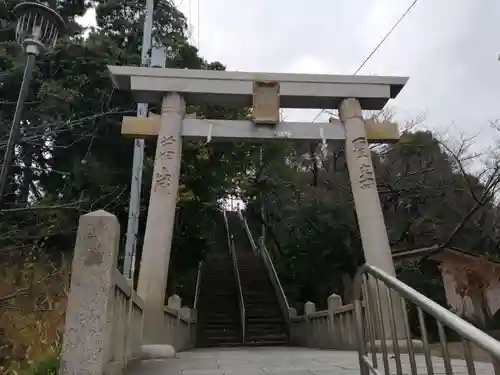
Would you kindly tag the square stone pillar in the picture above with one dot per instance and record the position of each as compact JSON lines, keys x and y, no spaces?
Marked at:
{"x":372,"y":228}
{"x":87,"y":342}
{"x":160,"y":218}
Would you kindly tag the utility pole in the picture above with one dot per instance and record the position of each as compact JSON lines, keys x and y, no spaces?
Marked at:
{"x":138,"y":159}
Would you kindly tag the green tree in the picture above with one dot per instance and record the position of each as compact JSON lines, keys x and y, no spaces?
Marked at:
{"x":428,"y":194}
{"x":71,"y":157}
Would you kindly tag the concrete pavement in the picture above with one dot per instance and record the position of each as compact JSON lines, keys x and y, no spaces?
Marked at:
{"x":280,"y":360}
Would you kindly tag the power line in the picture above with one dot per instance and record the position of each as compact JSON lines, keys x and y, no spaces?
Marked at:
{"x":385,"y":37}
{"x":190,"y":23}
{"x":376,"y":48}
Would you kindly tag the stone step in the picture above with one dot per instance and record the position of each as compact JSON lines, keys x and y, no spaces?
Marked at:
{"x":261,"y":296}
{"x":265,"y":343}
{"x":221,"y":338}
{"x":265,"y":327}
{"x":223,"y":320}
{"x":222,"y":325}
{"x":265,"y":319}
{"x":218,"y":332}
{"x":215,"y":303}
{"x":268,"y":302}
{"x":264,"y":309}
{"x":219,"y":293}
{"x":260,"y":303}
{"x":262,"y":312}
{"x":219,"y":298}
{"x":221,"y":314}
{"x":212,"y":344}
{"x":266,"y":335}
{"x":248,"y":262}
{"x":271,"y":334}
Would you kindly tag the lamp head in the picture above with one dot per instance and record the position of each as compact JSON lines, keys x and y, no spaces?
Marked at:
{"x":38,"y":26}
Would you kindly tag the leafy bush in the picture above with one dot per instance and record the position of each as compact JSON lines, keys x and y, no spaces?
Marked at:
{"x":47,"y":366}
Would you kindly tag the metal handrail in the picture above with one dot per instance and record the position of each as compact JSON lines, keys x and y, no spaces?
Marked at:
{"x":265,"y":253}
{"x":373,"y":321}
{"x":232,"y":251}
{"x":248,"y":232}
{"x":197,"y":288}
{"x":268,"y":262}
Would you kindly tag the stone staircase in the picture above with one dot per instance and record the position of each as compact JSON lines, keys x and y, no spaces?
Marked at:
{"x":265,"y":324}
{"x":219,"y":322}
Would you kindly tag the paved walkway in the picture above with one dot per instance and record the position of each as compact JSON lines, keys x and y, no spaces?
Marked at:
{"x":279,"y":361}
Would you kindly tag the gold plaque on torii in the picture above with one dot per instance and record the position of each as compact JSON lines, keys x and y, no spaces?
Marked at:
{"x":266,"y":102}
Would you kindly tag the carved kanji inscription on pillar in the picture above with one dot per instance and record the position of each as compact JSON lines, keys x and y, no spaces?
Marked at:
{"x":167,"y":140}
{"x":94,"y":255}
{"x":366,"y":178}
{"x":163,"y":178}
{"x":166,"y":154}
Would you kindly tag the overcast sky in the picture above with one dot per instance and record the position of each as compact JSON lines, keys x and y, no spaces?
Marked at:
{"x":448,"y":48}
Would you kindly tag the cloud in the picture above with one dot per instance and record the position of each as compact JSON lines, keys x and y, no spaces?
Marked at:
{"x":448,"y":48}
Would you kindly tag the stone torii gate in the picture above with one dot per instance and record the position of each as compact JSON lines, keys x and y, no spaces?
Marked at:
{"x":266,"y":93}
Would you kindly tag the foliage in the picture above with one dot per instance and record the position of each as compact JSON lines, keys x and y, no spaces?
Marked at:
{"x":428,"y":194}
{"x":47,"y":366}
{"x":33,"y":292}
{"x":71,"y":157}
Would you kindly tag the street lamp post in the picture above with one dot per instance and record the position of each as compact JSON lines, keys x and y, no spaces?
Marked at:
{"x":38,"y":27}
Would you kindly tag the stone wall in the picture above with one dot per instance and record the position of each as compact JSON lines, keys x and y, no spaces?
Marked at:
{"x":333,"y":328}
{"x":180,"y":324}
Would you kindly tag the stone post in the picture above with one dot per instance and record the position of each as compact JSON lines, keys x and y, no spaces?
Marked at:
{"x":192,"y":328}
{"x":185,"y":313}
{"x":334,"y":302}
{"x":309,"y":308}
{"x":160,"y":220}
{"x":372,"y":228}
{"x":87,"y":333}
{"x":174,"y":302}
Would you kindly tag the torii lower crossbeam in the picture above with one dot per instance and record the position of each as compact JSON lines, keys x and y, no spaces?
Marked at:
{"x":246,"y":131}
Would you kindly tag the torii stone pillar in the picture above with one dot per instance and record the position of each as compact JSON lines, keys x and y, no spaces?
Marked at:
{"x":160,"y":220}
{"x":372,"y":228}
